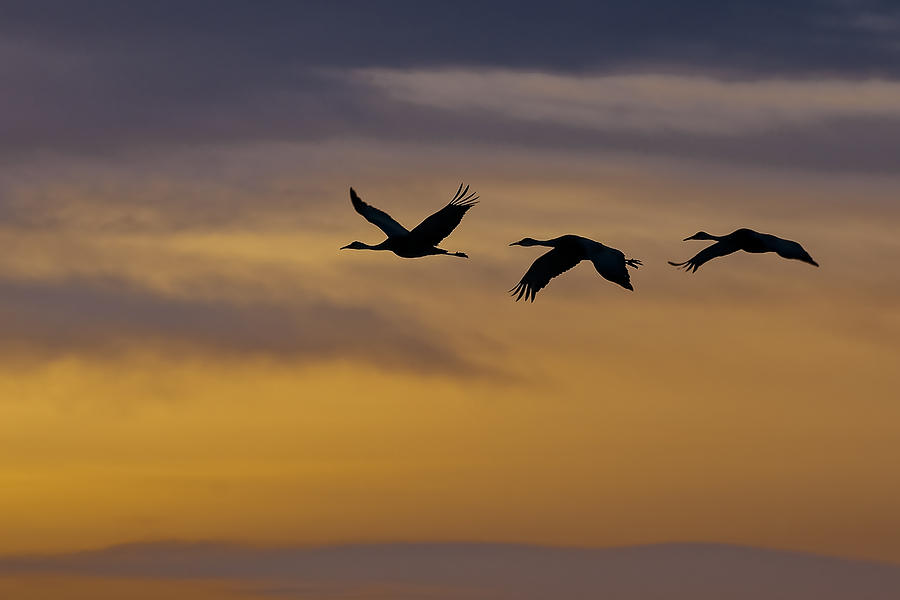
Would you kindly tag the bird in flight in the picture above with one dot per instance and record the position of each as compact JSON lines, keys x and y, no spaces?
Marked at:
{"x":424,"y":238}
{"x":568,"y":251}
{"x":746,"y":240}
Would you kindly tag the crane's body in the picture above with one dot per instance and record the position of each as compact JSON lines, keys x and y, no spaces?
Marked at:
{"x":567,"y":251}
{"x":424,"y":238}
{"x":746,"y":240}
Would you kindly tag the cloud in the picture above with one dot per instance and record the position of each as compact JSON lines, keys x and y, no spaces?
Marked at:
{"x":677,"y":571}
{"x":59,"y":100}
{"x":645,"y":103}
{"x":65,"y":104}
{"x":879,"y":22}
{"x":109,"y":317}
{"x":817,"y":124}
{"x":801,"y":35}
{"x":111,"y":76}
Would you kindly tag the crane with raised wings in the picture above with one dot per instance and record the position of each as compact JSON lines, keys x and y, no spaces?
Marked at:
{"x":424,"y":238}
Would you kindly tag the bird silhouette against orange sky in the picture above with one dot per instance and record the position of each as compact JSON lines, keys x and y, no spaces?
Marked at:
{"x":568,"y":251}
{"x":424,"y":238}
{"x":746,"y":240}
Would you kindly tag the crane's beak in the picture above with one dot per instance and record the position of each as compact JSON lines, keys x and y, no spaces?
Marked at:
{"x":515,"y":244}
{"x":345,"y":247}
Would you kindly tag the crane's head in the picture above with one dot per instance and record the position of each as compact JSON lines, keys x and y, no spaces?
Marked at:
{"x":356,"y":246}
{"x":700,"y":235}
{"x":526,"y":242}
{"x":789,"y":249}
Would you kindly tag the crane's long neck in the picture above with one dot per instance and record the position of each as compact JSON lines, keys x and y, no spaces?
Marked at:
{"x":385,"y":245}
{"x":552,"y":243}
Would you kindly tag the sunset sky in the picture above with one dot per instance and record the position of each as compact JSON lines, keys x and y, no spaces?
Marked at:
{"x":188,"y":356}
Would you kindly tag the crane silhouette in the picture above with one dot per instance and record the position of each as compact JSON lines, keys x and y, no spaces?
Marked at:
{"x":568,"y":251}
{"x":746,"y":240}
{"x":424,"y":238}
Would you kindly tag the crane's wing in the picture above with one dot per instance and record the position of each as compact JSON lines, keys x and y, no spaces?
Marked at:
{"x":716,"y":250}
{"x":611,"y":264}
{"x":439,"y":225}
{"x":376,"y":217}
{"x":546,"y":267}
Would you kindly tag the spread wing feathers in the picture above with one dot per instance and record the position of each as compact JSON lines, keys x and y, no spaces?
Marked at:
{"x":546,"y":267}
{"x":377,"y":217}
{"x":716,"y":250}
{"x":613,"y":266}
{"x":439,"y":225}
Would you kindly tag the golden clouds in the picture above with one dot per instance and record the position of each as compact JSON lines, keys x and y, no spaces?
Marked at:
{"x":246,"y":380}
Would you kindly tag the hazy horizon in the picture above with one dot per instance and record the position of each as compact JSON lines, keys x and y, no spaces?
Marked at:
{"x":373,"y":571}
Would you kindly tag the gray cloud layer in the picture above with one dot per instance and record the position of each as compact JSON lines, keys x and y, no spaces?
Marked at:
{"x":102,"y":76}
{"x":674,"y":571}
{"x":643,"y":102}
{"x":789,"y":36}
{"x":96,"y":316}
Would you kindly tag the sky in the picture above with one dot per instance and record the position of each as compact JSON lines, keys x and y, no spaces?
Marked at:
{"x":189,"y":357}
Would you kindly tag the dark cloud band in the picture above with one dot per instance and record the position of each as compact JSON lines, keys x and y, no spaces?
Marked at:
{"x":108,"y":317}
